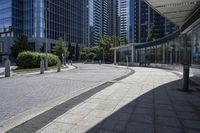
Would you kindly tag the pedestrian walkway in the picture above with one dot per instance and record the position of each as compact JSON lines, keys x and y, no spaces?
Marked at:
{"x":148,"y":101}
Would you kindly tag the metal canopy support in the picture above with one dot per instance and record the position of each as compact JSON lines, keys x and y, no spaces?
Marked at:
{"x":178,"y":11}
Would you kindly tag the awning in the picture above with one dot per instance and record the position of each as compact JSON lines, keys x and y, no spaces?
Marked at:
{"x":177,"y":11}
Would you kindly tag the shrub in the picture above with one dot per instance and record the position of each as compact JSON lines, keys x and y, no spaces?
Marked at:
{"x":29,"y":59}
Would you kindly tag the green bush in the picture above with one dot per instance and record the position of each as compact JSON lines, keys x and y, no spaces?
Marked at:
{"x":29,"y":59}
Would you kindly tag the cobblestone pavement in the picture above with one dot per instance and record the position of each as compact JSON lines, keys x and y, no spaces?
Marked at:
{"x":146,"y":102}
{"x":19,"y":94}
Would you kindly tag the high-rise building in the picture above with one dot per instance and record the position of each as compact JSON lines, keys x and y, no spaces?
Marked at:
{"x":127,"y":18}
{"x":102,"y":19}
{"x":39,"y":19}
{"x":138,"y":20}
{"x":149,"y":20}
{"x":113,"y":15}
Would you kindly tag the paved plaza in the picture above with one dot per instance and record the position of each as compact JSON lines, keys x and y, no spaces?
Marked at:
{"x":20,"y":94}
{"x":148,"y":101}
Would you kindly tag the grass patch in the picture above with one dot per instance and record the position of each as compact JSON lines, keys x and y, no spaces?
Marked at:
{"x":21,"y":70}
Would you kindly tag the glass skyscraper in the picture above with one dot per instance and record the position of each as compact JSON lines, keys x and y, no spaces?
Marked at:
{"x":39,"y":19}
{"x":127,"y":21}
{"x":137,"y":20}
{"x":102,"y":19}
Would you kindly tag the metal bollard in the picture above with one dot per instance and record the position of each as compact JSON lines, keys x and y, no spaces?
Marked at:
{"x":58,"y":65}
{"x":7,"y":68}
{"x":99,"y":62}
{"x":42,"y":66}
{"x":71,"y":62}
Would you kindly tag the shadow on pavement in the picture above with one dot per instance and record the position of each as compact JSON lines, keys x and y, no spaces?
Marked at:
{"x":164,"y":109}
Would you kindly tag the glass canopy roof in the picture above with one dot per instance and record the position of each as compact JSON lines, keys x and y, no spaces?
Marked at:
{"x":178,"y":11}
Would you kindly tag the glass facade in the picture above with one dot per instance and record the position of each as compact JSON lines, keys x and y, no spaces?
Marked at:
{"x":169,"y":50}
{"x":5,"y":14}
{"x":196,"y":46}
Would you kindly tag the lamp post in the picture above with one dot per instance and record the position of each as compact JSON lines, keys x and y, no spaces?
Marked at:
{"x":46,"y":45}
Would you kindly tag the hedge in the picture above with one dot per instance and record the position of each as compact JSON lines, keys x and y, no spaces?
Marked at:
{"x":30,"y":59}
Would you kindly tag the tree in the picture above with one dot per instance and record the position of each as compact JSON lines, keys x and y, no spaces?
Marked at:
{"x":60,"y":49}
{"x":105,"y":44}
{"x":151,"y":36}
{"x":20,"y":45}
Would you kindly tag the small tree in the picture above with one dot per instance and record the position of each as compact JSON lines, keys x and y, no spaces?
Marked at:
{"x":20,"y":45}
{"x":60,"y":49}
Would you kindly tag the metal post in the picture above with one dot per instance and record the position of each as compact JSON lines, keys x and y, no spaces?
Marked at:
{"x":103,"y":55}
{"x":7,"y":68}
{"x":46,"y":49}
{"x":42,"y":66}
{"x":115,"y":57}
{"x":127,"y":61}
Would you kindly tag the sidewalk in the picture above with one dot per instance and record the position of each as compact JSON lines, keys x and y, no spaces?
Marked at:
{"x":146,"y":102}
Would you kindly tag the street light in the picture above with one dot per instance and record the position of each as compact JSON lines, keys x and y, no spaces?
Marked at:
{"x":46,"y":49}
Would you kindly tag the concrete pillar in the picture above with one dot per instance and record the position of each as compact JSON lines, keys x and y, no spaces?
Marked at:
{"x":7,"y":68}
{"x":115,"y":57}
{"x":42,"y":66}
{"x":163,"y":52}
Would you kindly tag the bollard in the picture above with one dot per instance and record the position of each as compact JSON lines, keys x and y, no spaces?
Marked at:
{"x":58,"y":65}
{"x":127,"y":61}
{"x":42,"y":66}
{"x":71,"y":62}
{"x":7,"y":68}
{"x":99,"y":62}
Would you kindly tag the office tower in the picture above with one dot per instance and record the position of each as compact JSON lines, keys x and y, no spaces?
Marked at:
{"x":149,"y":20}
{"x":127,"y":16}
{"x":39,"y":19}
{"x":138,"y":20}
{"x":113,"y":15}
{"x":102,"y":20}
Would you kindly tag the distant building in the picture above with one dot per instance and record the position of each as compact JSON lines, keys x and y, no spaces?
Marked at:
{"x":102,"y":19}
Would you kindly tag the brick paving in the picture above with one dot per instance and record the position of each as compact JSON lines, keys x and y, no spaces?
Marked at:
{"x":148,"y":101}
{"x":22,"y":93}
